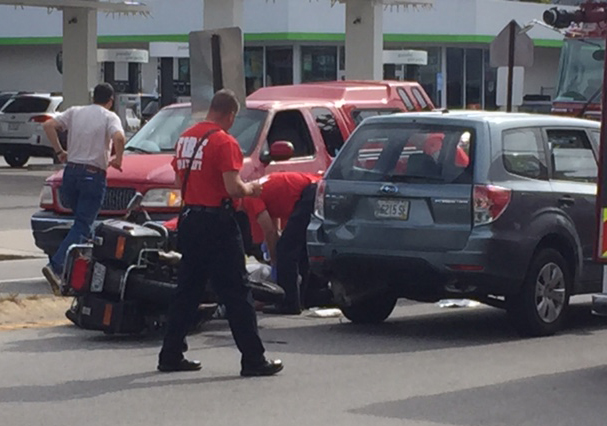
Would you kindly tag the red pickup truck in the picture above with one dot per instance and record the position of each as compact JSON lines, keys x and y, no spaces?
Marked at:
{"x":315,"y":118}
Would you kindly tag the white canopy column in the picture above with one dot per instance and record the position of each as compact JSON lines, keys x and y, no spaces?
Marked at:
{"x":79,"y":55}
{"x":364,"y":40}
{"x":223,"y":14}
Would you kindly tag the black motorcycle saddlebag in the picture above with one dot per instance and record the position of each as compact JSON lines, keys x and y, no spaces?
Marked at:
{"x":123,"y":241}
{"x":95,"y":313}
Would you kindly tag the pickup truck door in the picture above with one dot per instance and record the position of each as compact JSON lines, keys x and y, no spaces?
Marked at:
{"x":296,"y":126}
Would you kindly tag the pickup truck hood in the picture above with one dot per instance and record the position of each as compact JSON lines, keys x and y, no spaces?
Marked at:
{"x":137,"y":169}
{"x":144,"y":169}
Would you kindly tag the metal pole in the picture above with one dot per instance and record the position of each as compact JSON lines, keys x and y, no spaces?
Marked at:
{"x":512,"y":34}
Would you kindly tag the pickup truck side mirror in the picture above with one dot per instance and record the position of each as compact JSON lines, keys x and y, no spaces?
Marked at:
{"x":279,"y":151}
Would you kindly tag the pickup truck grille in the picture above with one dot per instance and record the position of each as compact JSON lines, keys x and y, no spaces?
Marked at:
{"x":116,"y":199}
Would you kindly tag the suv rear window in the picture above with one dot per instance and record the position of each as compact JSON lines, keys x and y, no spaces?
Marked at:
{"x":27,"y":104}
{"x":523,"y":153}
{"x":406,"y":153}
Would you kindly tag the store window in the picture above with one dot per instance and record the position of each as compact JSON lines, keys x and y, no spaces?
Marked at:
{"x":474,"y":78}
{"x":279,"y":66}
{"x":318,"y":63}
{"x":455,"y":78}
{"x":490,"y":84}
{"x":253,"y":68}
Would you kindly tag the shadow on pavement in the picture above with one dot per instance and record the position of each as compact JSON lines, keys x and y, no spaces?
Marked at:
{"x":570,"y":398}
{"x":304,"y":335}
{"x":81,"y":389}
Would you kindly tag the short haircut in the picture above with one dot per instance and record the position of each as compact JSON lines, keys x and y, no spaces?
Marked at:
{"x":103,"y":93}
{"x":224,"y":102}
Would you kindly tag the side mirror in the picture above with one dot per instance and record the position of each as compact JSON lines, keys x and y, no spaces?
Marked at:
{"x":281,"y":151}
{"x":135,"y":202}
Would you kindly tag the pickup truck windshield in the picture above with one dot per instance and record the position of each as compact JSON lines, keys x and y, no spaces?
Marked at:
{"x":160,"y":134}
{"x":413,"y":153}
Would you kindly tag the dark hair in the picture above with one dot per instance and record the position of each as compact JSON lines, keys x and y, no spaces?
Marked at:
{"x":103,"y":93}
{"x":224,"y":102}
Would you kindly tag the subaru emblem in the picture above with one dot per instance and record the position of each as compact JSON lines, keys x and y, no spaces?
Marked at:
{"x":389,"y":189}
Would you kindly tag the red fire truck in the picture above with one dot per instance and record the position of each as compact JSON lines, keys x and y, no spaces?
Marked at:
{"x":580,"y":76}
{"x":581,"y":91}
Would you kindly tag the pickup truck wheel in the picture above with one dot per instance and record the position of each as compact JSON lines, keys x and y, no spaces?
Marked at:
{"x":541,"y":307}
{"x":16,"y":159}
{"x":373,"y":310}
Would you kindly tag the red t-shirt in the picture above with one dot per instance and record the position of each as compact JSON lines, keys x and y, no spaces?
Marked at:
{"x":218,"y":154}
{"x":279,"y":194}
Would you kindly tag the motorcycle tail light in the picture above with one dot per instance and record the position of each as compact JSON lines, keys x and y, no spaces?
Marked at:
{"x":79,"y":275}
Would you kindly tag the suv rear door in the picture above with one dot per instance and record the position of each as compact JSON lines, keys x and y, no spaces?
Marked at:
{"x":402,"y":185}
{"x":573,"y":177}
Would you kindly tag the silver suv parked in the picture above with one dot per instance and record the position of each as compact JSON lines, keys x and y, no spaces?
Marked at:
{"x":493,"y":207}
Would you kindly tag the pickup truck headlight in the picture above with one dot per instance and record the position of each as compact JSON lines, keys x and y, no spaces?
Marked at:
{"x":162,"y":197}
{"x":46,"y":197}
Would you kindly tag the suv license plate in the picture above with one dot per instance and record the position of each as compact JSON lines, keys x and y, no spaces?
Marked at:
{"x":13,"y":127}
{"x":98,"y":278}
{"x":392,"y":209}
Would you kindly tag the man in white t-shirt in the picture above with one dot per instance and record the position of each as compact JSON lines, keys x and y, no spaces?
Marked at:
{"x":91,"y":131}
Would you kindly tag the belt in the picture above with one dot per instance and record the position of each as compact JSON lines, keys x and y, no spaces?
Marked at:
{"x":204,"y":209}
{"x":87,"y":167}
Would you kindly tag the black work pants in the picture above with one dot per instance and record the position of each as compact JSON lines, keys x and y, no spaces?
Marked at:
{"x":212,"y":250}
{"x":291,"y":250}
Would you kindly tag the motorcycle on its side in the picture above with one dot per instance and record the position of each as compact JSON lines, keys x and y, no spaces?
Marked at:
{"x":124,"y":279}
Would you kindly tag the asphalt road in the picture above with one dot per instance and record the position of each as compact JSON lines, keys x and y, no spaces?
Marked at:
{"x":20,"y":191}
{"x":425,"y":366}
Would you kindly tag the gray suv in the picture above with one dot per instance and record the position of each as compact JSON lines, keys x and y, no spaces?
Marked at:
{"x":492,"y":207}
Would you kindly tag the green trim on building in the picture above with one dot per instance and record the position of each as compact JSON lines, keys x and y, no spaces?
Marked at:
{"x":252,"y":37}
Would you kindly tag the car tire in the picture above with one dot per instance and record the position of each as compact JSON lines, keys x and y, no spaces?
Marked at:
{"x":16,"y":159}
{"x":373,"y":310}
{"x":541,"y":307}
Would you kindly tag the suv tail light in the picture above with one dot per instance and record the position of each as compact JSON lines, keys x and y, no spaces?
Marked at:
{"x":319,"y":202}
{"x":489,"y":203}
{"x":40,"y":118}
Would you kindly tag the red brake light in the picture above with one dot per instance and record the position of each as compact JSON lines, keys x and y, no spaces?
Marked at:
{"x":79,"y":274}
{"x":319,"y":202}
{"x":489,"y":203}
{"x":40,"y":118}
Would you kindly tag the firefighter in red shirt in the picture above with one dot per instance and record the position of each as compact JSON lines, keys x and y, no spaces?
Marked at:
{"x":207,"y":163}
{"x":287,"y":197}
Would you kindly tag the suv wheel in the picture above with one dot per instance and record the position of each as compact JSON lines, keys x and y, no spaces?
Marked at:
{"x":16,"y":159}
{"x":541,"y":306}
{"x":370,"y":311}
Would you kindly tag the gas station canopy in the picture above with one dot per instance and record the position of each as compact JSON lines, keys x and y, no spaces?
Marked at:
{"x":129,"y":7}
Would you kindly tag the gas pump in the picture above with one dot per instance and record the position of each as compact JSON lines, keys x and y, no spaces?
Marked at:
{"x":590,"y":20}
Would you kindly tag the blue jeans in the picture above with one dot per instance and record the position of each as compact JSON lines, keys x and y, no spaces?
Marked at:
{"x":82,"y":191}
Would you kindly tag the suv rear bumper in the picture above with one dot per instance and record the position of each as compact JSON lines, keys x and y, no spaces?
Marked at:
{"x":31,"y":146}
{"x":49,"y":229}
{"x":487,"y":265}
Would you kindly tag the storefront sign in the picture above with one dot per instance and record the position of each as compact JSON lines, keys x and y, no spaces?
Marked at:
{"x":123,"y":55}
{"x":162,"y":49}
{"x":406,"y":57}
